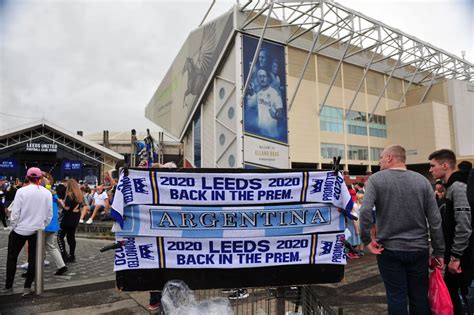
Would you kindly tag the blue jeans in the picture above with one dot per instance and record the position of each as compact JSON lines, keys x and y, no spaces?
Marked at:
{"x":405,"y":275}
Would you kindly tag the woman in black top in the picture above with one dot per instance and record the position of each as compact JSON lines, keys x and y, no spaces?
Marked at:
{"x":71,"y":214}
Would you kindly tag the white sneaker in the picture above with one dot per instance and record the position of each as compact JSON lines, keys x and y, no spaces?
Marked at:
{"x":27,"y":291}
{"x":89,"y":221}
{"x":239,"y":294}
{"x":81,"y":221}
{"x":24,"y":266}
{"x":46,"y":262}
{"x":5,"y":291}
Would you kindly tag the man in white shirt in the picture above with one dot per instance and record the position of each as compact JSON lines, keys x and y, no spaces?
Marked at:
{"x":100,"y":202}
{"x":31,"y":211}
{"x":270,"y":106}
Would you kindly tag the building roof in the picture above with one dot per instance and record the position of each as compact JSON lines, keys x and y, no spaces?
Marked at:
{"x":9,"y":133}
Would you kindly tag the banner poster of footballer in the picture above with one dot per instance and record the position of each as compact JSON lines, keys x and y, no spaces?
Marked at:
{"x":191,"y":253}
{"x":265,"y":107}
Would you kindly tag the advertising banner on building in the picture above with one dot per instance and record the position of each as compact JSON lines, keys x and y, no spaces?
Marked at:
{"x":175,"y":99}
{"x":73,"y":166}
{"x":157,"y":187}
{"x":8,"y":164}
{"x":265,"y":106}
{"x":222,"y":222}
{"x":41,"y":147}
{"x":190,"y":253}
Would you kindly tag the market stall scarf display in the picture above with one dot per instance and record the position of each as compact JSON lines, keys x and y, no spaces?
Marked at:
{"x":229,"y":219}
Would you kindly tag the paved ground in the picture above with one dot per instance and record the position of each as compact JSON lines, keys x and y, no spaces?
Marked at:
{"x":361,"y":291}
{"x":88,"y":287}
{"x":91,"y":265}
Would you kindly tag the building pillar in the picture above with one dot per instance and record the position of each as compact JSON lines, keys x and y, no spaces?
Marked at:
{"x":369,"y":170}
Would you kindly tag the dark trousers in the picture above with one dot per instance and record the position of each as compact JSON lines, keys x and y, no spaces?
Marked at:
{"x":458,"y":284}
{"x":70,"y":234}
{"x":15,"y":245}
{"x":155,"y":297}
{"x":405,"y":275}
{"x":3,"y":217}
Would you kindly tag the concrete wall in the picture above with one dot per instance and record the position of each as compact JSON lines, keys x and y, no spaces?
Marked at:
{"x":421,"y":129}
{"x":207,"y":127}
{"x":437,"y":92}
{"x":305,"y":135}
{"x":461,"y":96}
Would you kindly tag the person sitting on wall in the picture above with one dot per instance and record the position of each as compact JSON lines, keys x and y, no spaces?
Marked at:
{"x":90,"y":179}
{"x":100,"y":202}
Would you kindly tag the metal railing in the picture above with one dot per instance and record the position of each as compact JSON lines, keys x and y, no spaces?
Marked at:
{"x":297,"y":300}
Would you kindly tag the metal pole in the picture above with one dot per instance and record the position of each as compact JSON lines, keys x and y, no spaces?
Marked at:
{"x":255,"y":55}
{"x":280,"y":301}
{"x":39,"y":272}
{"x":207,"y":13}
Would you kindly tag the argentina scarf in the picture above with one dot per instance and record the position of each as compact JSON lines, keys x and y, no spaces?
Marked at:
{"x":218,"y":188}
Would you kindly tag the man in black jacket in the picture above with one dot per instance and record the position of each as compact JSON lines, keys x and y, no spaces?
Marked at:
{"x":470,"y":189}
{"x":457,"y":226}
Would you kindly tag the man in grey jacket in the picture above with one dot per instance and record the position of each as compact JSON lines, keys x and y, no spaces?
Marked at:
{"x":457,"y":225}
{"x":404,"y":204}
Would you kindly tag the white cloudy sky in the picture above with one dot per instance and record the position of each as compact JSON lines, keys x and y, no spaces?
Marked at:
{"x":94,"y":64}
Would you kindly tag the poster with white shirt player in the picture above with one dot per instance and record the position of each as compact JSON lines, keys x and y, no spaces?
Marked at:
{"x":265,"y":122}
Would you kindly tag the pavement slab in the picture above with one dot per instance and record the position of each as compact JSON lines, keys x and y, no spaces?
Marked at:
{"x":89,"y":288}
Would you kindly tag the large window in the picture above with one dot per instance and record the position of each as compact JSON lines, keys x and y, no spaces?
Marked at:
{"x":355,"y":152}
{"x":375,"y":153}
{"x":378,"y":127}
{"x":332,"y":119}
{"x":197,"y":139}
{"x":329,"y":150}
{"x":356,"y":123}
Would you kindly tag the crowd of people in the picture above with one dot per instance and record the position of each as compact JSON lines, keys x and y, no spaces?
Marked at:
{"x":410,"y":217}
{"x":400,"y":216}
{"x":38,"y":203}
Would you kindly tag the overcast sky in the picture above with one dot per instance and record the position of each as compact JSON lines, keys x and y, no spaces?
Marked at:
{"x":94,"y":65}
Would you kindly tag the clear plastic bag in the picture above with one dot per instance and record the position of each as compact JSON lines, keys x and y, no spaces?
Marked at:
{"x":178,"y":299}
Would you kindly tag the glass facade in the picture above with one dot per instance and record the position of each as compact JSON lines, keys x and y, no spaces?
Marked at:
{"x":378,"y":127}
{"x":332,"y":119}
{"x":355,"y":152}
{"x":375,"y":153}
{"x":356,"y":123}
{"x":197,"y":139}
{"x":329,"y":150}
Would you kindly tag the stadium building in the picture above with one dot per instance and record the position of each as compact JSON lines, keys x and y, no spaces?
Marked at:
{"x":290,"y":84}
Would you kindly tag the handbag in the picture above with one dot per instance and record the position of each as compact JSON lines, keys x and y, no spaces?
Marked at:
{"x":438,"y":295}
